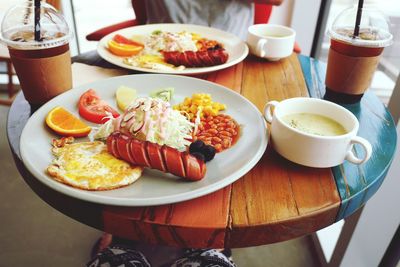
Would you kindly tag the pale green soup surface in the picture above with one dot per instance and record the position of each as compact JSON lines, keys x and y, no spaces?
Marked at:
{"x":314,"y":124}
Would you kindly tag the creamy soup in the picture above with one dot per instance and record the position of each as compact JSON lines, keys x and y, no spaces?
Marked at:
{"x":314,"y":124}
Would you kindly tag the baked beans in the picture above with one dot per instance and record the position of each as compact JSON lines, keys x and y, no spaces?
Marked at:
{"x":220,"y":131}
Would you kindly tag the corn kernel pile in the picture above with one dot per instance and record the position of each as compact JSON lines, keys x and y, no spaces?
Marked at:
{"x":202,"y":102}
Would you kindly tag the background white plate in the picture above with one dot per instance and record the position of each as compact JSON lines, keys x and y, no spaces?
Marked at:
{"x":236,"y":48}
{"x":154,"y":187}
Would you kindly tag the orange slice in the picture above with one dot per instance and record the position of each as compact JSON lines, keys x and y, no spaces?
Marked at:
{"x":123,"y":50}
{"x":65,"y":123}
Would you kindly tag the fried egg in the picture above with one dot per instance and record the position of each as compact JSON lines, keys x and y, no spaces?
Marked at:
{"x":89,"y":166}
{"x":147,"y":61}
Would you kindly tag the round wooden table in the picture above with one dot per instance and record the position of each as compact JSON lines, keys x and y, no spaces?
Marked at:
{"x":276,"y":201}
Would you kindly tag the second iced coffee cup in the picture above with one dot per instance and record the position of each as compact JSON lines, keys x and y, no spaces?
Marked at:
{"x":353,"y":59}
{"x":43,"y":62}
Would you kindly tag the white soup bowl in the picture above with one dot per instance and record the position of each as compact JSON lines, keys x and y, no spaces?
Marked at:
{"x":310,"y":149}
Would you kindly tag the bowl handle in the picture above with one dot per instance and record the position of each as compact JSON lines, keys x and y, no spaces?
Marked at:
{"x":260,"y":47}
{"x":367,"y":148}
{"x":268,"y":114}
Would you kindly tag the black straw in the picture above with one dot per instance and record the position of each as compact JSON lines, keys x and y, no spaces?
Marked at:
{"x":358,"y":18}
{"x":37,"y":20}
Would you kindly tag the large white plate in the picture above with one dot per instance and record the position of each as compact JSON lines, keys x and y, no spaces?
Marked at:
{"x":154,"y":187}
{"x":236,"y":48}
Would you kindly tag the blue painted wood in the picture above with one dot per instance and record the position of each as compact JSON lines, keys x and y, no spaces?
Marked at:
{"x":358,"y":183}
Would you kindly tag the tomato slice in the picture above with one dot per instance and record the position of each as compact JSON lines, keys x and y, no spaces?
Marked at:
{"x":123,"y":40}
{"x":93,"y":108}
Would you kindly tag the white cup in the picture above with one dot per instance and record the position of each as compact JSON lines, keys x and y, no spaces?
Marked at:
{"x":270,"y":41}
{"x":309,"y":149}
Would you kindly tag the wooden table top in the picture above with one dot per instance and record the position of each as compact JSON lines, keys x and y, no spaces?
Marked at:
{"x":276,"y":201}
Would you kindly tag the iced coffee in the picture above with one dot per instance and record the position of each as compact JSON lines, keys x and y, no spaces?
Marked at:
{"x":43,"y":66}
{"x":352,"y":60}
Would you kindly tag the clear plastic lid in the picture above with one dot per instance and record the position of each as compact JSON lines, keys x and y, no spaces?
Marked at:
{"x":18,"y":27}
{"x":374,"y":27}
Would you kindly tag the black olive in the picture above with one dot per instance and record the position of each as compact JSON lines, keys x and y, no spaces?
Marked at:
{"x":196,"y":146}
{"x":198,"y":155}
{"x":208,"y":152}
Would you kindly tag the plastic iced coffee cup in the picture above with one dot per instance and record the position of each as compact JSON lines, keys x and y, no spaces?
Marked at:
{"x":43,"y":66}
{"x":352,"y":60}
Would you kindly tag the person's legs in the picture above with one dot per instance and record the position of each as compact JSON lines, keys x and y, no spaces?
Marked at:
{"x":119,"y":256}
{"x":204,"y":257}
{"x":101,"y":244}
{"x":122,"y":252}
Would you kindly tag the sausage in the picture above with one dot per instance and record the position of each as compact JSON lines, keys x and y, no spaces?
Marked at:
{"x":152,"y":155}
{"x":206,"y":58}
{"x":193,"y":59}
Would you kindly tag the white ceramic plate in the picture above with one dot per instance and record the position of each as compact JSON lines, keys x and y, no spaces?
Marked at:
{"x":154,"y":187}
{"x":236,"y":48}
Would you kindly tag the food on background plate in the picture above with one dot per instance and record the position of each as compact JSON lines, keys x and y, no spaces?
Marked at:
{"x":123,"y":40}
{"x":123,"y":50}
{"x":65,"y":123}
{"x":174,"y":51}
{"x":196,"y":59}
{"x":89,"y":166}
{"x":124,"y":47}
{"x":94,"y":109}
{"x":314,"y":124}
{"x":124,"y":96}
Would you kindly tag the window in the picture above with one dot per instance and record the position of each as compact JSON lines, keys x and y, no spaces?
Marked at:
{"x":92,"y":15}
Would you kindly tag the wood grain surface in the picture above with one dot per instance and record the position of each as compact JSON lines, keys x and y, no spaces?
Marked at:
{"x":200,"y":222}
{"x":278,"y":200}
